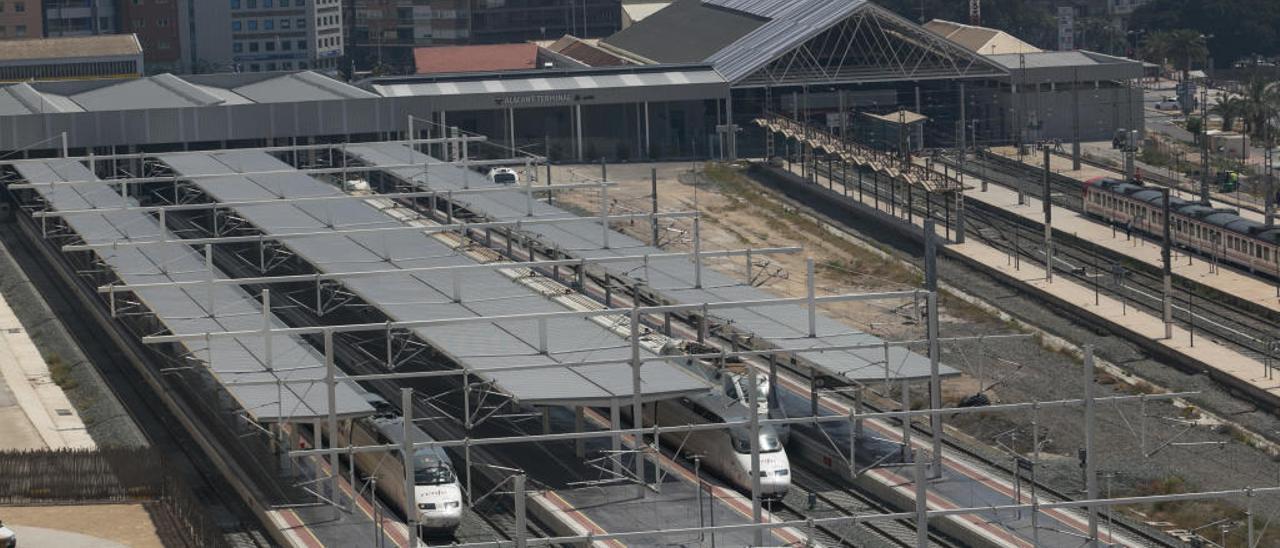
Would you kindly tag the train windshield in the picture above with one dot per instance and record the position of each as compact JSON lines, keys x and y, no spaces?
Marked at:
{"x":433,"y":475}
{"x":769,"y":442}
{"x":504,"y":178}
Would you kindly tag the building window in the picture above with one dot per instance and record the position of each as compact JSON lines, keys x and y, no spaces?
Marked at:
{"x":1,"y":7}
{"x":20,"y":30}
{"x":284,"y":3}
{"x":287,"y":65}
{"x":270,"y":46}
{"x":4,"y":31}
{"x":235,"y":26}
{"x":252,"y":4}
{"x":271,"y":66}
{"x":302,"y":23}
{"x":253,"y":47}
{"x":19,"y":7}
{"x":286,"y":45}
{"x":268,"y":24}
{"x":162,"y":22}
{"x":253,"y":24}
{"x":267,"y":4}
{"x":235,"y":4}
{"x":139,"y":23}
{"x":302,"y":44}
{"x":254,"y":67}
{"x":237,"y":47}
{"x":285,"y":23}
{"x":163,"y":45}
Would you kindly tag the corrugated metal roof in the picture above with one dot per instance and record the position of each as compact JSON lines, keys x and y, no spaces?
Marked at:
{"x":761,"y":8}
{"x":687,"y":31}
{"x":1044,"y":59}
{"x":169,"y":91}
{"x":793,"y":23}
{"x":783,"y":325}
{"x":102,"y":45}
{"x":479,"y":347}
{"x":299,"y":86}
{"x":187,"y":309}
{"x":541,"y":83}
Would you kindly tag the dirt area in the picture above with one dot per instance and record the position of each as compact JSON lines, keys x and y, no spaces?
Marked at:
{"x":127,"y":524}
{"x":737,"y":216}
{"x":1149,"y":449}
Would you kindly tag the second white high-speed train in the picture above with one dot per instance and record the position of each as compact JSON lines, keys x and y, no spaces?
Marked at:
{"x":436,"y":493}
{"x":725,"y":452}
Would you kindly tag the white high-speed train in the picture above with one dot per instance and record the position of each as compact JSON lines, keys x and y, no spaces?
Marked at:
{"x":437,"y":495}
{"x":725,"y":452}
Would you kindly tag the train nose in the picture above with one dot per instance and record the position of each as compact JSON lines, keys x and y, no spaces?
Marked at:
{"x":775,"y":482}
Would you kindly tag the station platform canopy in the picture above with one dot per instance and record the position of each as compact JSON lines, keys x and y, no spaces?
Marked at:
{"x":288,"y":379}
{"x":782,"y":325}
{"x":485,"y":349}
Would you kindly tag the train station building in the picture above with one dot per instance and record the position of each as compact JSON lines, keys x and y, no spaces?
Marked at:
{"x":686,"y":82}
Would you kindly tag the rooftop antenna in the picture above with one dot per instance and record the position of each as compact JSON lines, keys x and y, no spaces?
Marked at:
{"x":975,"y":12}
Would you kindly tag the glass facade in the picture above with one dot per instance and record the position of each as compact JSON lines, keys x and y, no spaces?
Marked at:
{"x":617,"y":132}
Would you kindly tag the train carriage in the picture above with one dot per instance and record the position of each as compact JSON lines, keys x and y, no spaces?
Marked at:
{"x":1218,"y":233}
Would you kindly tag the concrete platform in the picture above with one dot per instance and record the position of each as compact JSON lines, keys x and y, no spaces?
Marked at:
{"x":1061,"y":165}
{"x":968,"y":483}
{"x":34,"y":412}
{"x":1243,"y":369}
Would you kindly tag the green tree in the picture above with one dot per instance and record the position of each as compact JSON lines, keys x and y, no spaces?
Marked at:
{"x":1238,"y":28}
{"x":1260,"y":104}
{"x":1230,"y":108}
{"x":1184,"y":48}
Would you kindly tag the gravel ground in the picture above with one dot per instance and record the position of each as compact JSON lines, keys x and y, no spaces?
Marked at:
{"x":105,"y":419}
{"x":1026,"y":370}
{"x":1045,"y":375}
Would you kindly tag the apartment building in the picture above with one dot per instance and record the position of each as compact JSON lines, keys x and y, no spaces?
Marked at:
{"x":265,"y":35}
{"x":21,"y":19}
{"x":80,"y":17}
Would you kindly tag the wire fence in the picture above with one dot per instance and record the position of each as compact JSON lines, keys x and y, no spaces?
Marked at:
{"x":110,"y":476}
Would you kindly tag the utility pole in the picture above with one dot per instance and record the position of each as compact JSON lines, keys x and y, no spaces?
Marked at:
{"x":1075,"y":120}
{"x":1048,"y":217}
{"x":1167,"y":256}
{"x":1090,"y":461}
{"x":1204,"y":149}
{"x":935,"y":382}
{"x":1130,"y":153}
{"x":653,"y":185}
{"x":1270,"y":199}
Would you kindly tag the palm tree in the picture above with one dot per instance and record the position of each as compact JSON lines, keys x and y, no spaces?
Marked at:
{"x":1182,"y":47}
{"x":1261,"y":102}
{"x":1229,"y":108}
{"x":1155,"y":47}
{"x":1187,"y":47}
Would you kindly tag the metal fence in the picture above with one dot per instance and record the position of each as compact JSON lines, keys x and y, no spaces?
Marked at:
{"x":109,"y":476}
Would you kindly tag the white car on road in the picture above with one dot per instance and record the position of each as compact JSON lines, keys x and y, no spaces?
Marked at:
{"x":8,"y":539}
{"x":1168,"y":103}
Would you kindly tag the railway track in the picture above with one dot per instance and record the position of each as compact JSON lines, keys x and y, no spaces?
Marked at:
{"x":240,"y":527}
{"x":919,"y":207}
{"x":487,"y":521}
{"x":1248,"y":328}
{"x":832,"y":500}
